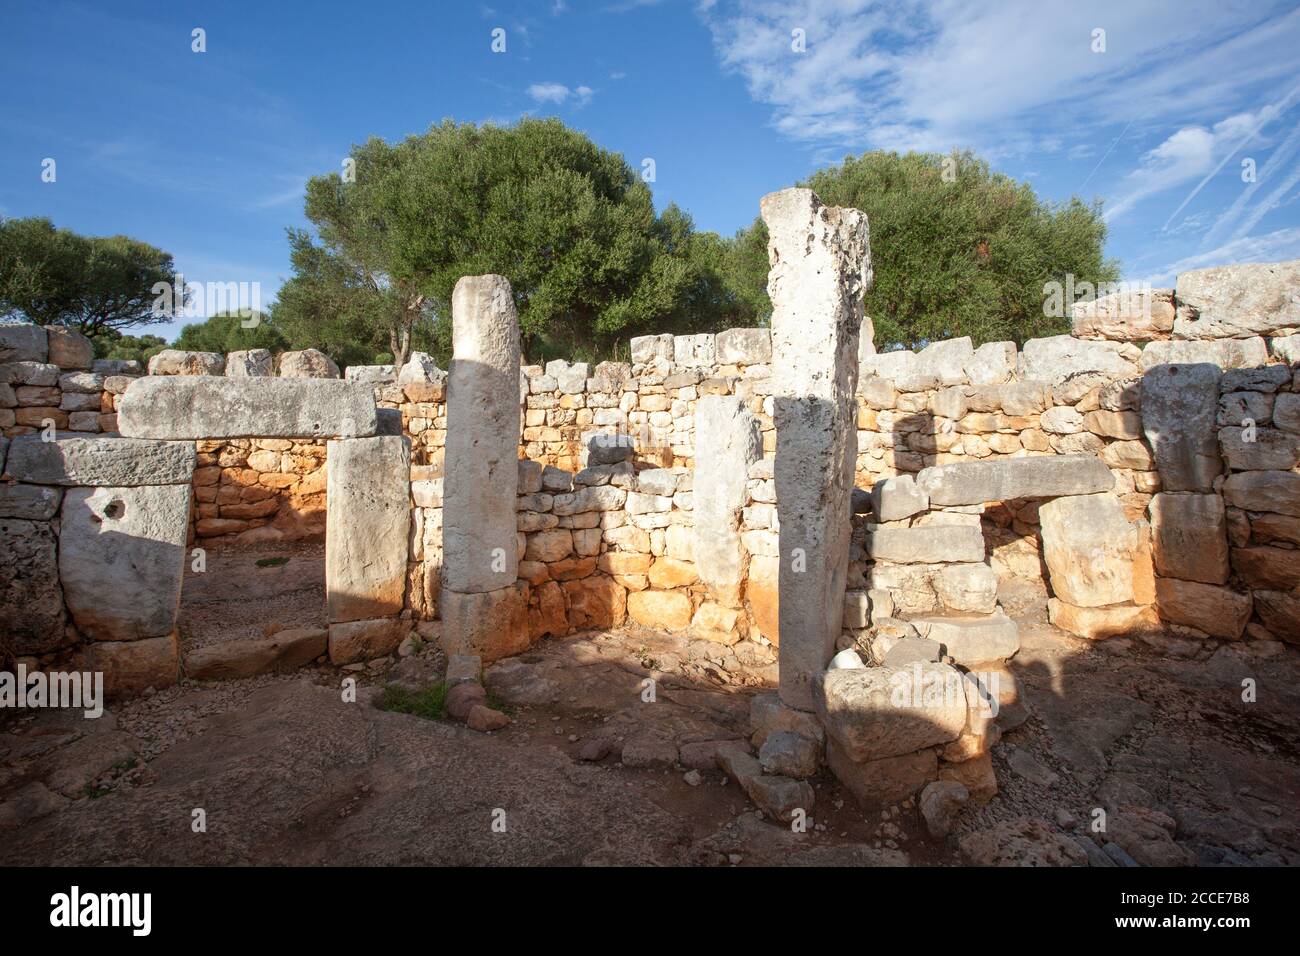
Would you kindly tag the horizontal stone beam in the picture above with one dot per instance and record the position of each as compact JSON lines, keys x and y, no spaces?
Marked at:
{"x":1005,"y":479}
{"x":196,"y":407}
{"x":100,"y":461}
{"x":929,"y":544}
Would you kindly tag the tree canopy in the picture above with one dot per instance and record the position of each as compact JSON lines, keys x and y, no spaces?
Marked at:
{"x":58,"y":277}
{"x":571,"y":225}
{"x":956,"y":249}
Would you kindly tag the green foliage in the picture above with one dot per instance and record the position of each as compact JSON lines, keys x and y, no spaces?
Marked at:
{"x":428,"y":702}
{"x":56,"y":276}
{"x":229,"y":332}
{"x":111,"y":344}
{"x":963,"y":257}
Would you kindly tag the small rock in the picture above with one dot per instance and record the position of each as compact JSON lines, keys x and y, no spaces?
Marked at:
{"x":941,"y":801}
{"x":597,"y":748}
{"x":693,"y":777}
{"x":649,"y":750}
{"x":407,"y":647}
{"x":485,"y":719}
{"x":789,"y":754}
{"x":462,"y":668}
{"x":1116,"y":853}
{"x":1023,"y":763}
{"x":463,"y":698}
{"x":845,"y":660}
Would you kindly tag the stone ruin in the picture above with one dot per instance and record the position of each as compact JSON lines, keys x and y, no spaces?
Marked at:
{"x":788,"y":496}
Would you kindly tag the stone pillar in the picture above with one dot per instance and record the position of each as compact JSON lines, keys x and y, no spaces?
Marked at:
{"x":821,"y":266}
{"x":727,"y":442}
{"x":482,"y":609}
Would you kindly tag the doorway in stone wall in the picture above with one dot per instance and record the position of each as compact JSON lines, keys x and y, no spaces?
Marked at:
{"x":255,"y":561}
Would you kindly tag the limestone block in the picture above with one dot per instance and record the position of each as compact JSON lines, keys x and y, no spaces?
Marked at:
{"x":1004,"y":479}
{"x":1215,"y":610}
{"x":875,"y":712}
{"x":1179,"y":408}
{"x":490,"y":624}
{"x":1089,"y":546}
{"x":198,"y":408}
{"x":308,"y":363}
{"x":1140,"y":315}
{"x":250,"y":363}
{"x":992,"y":363}
{"x":121,"y":558}
{"x":821,"y":266}
{"x":1259,"y":449}
{"x":607,"y":449}
{"x":368,"y":516}
{"x":29,"y":502}
{"x":99,"y":461}
{"x":727,"y":442}
{"x":645,"y":349}
{"x":1075,"y":366}
{"x":744,"y":347}
{"x":1238,"y":301}
{"x":1280,"y":612}
{"x":482,"y":438}
{"x":596,"y":602}
{"x":23,"y":342}
{"x":967,"y":587}
{"x":886,"y":781}
{"x":181,"y":362}
{"x":1225,"y":353}
{"x":284,"y":651}
{"x":132,"y":667}
{"x":925,"y":545}
{"x":971,"y":640}
{"x":665,"y":610}
{"x":693,"y":349}
{"x":420,"y":368}
{"x":31,"y":605}
{"x":1275,"y":491}
{"x":368,"y":374}
{"x":1190,"y":537}
{"x":351,"y":641}
{"x":68,"y":348}
{"x":893,"y":499}
{"x":548,"y":546}
{"x":1098,"y":623}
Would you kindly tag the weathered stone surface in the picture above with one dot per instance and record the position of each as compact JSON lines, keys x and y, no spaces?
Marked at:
{"x":1239,"y":300}
{"x":1179,"y":408}
{"x":195,"y":408}
{"x":1223,"y":353}
{"x":1004,"y":479}
{"x":250,"y":363}
{"x":31,"y":605}
{"x":351,"y":641}
{"x":1273,"y":569}
{"x":131,"y":667}
{"x":910,"y":650}
{"x":370,"y":374}
{"x":876,"y":712}
{"x":607,"y":449}
{"x":967,"y":587}
{"x":972,"y":640}
{"x":767,"y":715}
{"x":727,"y":442}
{"x":940,"y":803}
{"x":368,"y":515}
{"x":1075,"y":366}
{"x":1189,"y":537}
{"x":181,"y":362}
{"x":646,"y":348}
{"x":489,"y":624}
{"x":1022,"y":842}
{"x":23,"y":342}
{"x":68,"y":348}
{"x":1139,"y":315}
{"x":1089,"y":546}
{"x":284,"y":651}
{"x":463,"y":668}
{"x":1275,"y":491}
{"x":420,"y":368}
{"x":308,"y":363}
{"x":482,"y":438}
{"x":744,"y":347}
{"x":821,"y":266}
{"x":882,"y":782}
{"x":1280,"y":612}
{"x":1097,"y":623}
{"x":893,"y":499}
{"x":121,"y":557}
{"x":1259,"y":449}
{"x":596,"y":602}
{"x":1217,"y":611}
{"x":927,"y":544}
{"x":666,"y":610}
{"x":121,"y":462}
{"x":789,"y":754}
{"x":30,"y":502}
{"x":992,"y":363}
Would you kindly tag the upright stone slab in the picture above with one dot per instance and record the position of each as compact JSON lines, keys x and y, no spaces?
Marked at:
{"x":1089,"y":546}
{"x":368,"y":515}
{"x":727,"y":441}
{"x":1179,"y":410}
{"x":821,"y":266}
{"x":31,"y":607}
{"x":121,"y":558}
{"x":480,"y":467}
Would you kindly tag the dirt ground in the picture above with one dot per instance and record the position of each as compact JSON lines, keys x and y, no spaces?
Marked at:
{"x":285,"y":770}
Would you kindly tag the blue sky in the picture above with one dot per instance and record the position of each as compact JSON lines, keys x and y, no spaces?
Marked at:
{"x":205,"y":154}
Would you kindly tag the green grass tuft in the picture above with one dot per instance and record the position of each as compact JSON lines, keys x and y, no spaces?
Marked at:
{"x":427,"y":702}
{"x":272,"y":562}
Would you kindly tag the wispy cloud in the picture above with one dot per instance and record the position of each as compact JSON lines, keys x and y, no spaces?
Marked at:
{"x":560,"y":94}
{"x":1275,"y":246}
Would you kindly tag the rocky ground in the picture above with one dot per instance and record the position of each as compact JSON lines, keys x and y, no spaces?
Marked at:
{"x":594,"y":769}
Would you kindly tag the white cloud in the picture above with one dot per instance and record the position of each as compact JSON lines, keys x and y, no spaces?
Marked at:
{"x":1276,"y":246}
{"x":559,"y":94}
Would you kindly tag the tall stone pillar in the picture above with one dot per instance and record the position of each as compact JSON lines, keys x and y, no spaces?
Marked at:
{"x":483,"y":608}
{"x":821,"y":266}
{"x":727,"y":442}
